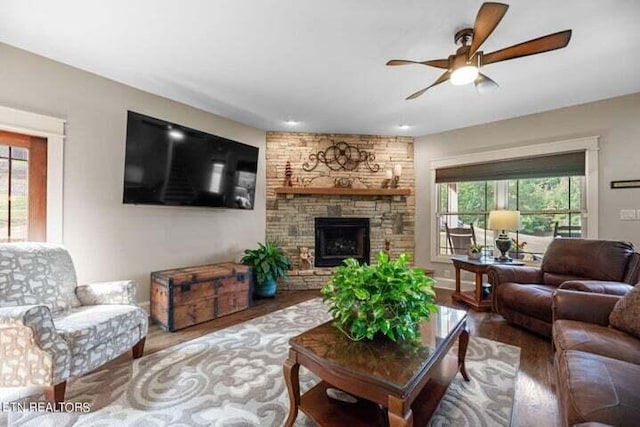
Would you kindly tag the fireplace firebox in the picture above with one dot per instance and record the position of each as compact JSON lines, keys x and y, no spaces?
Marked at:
{"x":340,"y":238}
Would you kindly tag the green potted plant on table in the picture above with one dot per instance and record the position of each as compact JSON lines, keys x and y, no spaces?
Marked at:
{"x":475,"y":251}
{"x":269,"y":263}
{"x":387,"y":299}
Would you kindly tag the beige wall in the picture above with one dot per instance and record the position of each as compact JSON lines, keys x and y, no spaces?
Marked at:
{"x":109,"y":240}
{"x":616,"y":121}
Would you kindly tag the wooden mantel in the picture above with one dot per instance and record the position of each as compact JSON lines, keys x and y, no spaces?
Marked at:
{"x":339,"y":191}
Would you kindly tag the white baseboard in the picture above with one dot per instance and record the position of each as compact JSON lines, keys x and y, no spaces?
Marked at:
{"x":450,"y":284}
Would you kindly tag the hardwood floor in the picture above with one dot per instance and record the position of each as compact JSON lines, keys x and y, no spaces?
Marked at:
{"x":535,"y":402}
{"x":157,"y":339}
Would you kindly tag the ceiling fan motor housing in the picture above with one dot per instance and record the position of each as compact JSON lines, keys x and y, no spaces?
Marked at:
{"x":464,"y":37}
{"x":461,"y":59}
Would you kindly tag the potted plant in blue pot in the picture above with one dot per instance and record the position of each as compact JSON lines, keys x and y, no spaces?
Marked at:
{"x":269,"y":263}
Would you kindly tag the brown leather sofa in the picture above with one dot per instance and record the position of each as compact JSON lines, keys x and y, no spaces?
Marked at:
{"x":597,"y":367}
{"x":523,"y":295}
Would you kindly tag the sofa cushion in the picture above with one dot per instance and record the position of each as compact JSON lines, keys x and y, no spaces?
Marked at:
{"x":533,"y":300}
{"x":555,"y":279}
{"x":86,"y":327}
{"x":592,"y":338}
{"x":37,"y":274}
{"x":597,"y":388}
{"x":625,"y":315}
{"x":593,"y":259}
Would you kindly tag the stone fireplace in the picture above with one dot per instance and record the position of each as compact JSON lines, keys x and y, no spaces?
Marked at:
{"x":340,"y":238}
{"x":292,"y":217}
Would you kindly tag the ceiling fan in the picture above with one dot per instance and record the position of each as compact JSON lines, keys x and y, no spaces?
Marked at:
{"x":463,"y":67}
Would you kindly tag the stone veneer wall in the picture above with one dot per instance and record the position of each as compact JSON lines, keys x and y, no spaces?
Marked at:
{"x":290,"y":218}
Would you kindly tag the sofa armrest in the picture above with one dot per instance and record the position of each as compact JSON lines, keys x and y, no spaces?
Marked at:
{"x":121,"y":292}
{"x":583,"y":306}
{"x":597,"y":286}
{"x":514,"y":274}
{"x":39,"y":356}
{"x":633,"y":269}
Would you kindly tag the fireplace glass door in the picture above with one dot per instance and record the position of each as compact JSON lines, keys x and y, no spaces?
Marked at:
{"x":340,"y":238}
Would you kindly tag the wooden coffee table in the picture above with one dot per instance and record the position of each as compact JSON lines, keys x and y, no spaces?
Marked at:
{"x":399,"y":382}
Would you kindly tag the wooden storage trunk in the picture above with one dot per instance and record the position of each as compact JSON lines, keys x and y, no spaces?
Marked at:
{"x":187,"y":296}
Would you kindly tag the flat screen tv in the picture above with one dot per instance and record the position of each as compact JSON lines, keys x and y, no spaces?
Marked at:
{"x":173,"y":165}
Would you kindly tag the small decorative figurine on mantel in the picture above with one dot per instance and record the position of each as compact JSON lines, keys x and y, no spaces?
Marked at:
{"x":306,"y":259}
{"x":287,"y":175}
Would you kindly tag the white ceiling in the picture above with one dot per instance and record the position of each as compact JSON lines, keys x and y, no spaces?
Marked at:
{"x":261,"y":62}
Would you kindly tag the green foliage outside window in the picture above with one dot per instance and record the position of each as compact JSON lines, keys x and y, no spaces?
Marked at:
{"x":542,"y":203}
{"x":527,"y":195}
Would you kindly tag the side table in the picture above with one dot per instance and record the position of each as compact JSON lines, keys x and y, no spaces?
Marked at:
{"x":475,"y":299}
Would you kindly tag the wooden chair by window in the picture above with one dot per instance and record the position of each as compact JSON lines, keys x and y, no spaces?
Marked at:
{"x":460,"y":239}
{"x":567,"y":231}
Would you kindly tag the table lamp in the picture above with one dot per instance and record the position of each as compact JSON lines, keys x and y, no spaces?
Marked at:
{"x":504,"y":221}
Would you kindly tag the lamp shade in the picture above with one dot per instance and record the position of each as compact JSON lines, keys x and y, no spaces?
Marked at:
{"x":504,"y":220}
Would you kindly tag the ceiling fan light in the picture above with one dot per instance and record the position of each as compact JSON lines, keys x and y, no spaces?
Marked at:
{"x":464,"y":75}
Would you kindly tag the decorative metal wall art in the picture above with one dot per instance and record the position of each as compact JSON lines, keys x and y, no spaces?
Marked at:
{"x":342,"y":156}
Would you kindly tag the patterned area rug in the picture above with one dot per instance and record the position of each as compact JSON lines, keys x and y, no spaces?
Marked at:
{"x":233,"y":377}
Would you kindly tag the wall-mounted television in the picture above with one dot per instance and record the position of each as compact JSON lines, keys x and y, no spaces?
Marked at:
{"x":173,"y":165}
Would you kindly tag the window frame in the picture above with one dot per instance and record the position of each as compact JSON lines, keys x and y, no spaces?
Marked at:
{"x":53,"y":130}
{"x":587,"y":144}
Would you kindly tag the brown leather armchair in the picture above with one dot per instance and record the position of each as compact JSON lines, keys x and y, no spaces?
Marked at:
{"x":523,"y":295}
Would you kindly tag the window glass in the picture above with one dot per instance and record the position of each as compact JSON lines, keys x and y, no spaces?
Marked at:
{"x":19,"y":202}
{"x":472,"y":196}
{"x":19,"y":153}
{"x":548,"y":207}
{"x":14,"y":190}
{"x":543,"y":194}
{"x":4,"y":196}
{"x":577,"y":183}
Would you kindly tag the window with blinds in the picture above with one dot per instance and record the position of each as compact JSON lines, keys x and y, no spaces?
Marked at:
{"x":549,"y":192}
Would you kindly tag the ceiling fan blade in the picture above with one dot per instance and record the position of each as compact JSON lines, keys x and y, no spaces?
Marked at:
{"x":484,"y":84}
{"x":443,"y":78}
{"x":438,"y":63}
{"x":488,"y":18}
{"x":542,"y":44}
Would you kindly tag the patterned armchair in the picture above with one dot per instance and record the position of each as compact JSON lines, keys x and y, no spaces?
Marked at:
{"x":51,"y":329}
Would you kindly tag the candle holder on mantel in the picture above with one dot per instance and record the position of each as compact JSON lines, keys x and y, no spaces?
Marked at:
{"x":388,"y":176}
{"x":392,"y":177}
{"x":397,"y":173}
